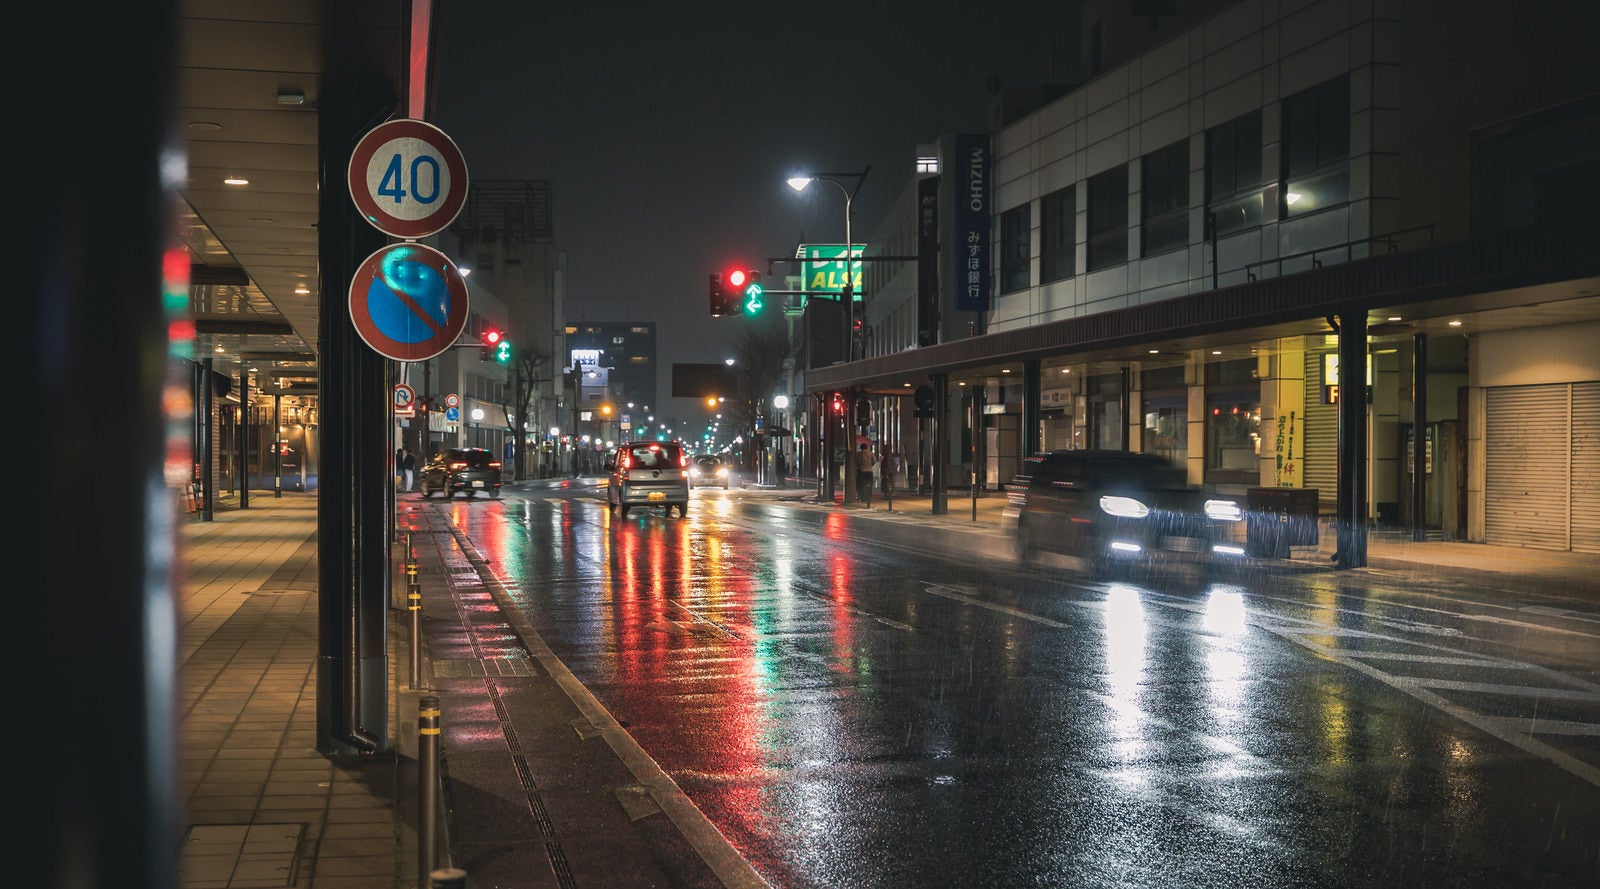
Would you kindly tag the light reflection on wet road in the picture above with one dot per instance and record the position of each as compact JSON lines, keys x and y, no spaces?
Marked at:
{"x":858,"y":715}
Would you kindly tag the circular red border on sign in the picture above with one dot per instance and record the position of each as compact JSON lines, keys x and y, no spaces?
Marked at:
{"x":367,"y":203}
{"x":388,"y":347}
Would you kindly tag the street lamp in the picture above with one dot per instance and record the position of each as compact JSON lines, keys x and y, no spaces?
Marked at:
{"x":798,"y":182}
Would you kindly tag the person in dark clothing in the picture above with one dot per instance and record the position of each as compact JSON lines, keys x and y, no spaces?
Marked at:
{"x":408,"y":467}
{"x":865,"y":461}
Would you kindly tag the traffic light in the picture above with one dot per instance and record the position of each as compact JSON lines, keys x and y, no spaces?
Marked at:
{"x":490,"y":339}
{"x":863,"y":412}
{"x":838,"y":404}
{"x":719,"y":299}
{"x":502,"y":351}
{"x":753,"y":302}
{"x":736,"y":290}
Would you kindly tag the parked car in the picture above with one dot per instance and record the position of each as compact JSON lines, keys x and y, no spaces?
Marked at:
{"x":648,"y":473}
{"x":708,"y":470}
{"x":1113,"y":508}
{"x":461,"y":469}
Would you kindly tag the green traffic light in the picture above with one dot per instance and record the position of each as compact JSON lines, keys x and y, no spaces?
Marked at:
{"x":752,"y":299}
{"x":502,"y":352}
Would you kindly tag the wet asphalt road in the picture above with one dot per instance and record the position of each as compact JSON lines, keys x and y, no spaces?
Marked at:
{"x":851,"y":714}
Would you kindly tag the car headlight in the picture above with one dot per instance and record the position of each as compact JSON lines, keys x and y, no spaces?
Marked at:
{"x":722,"y":470}
{"x":1124,"y":507}
{"x":1224,"y":510}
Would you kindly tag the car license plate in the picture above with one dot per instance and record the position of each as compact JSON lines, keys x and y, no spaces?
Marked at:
{"x":477,"y":484}
{"x":1181,"y":544}
{"x":658,"y":496}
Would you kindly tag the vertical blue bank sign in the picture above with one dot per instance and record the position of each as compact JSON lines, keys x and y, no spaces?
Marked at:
{"x":971,"y":218}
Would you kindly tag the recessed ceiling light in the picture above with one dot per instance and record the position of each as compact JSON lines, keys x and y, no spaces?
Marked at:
{"x":204,"y":125}
{"x":1216,"y":351}
{"x":236,"y":180}
{"x":1155,"y":351}
{"x":962,"y":383}
{"x":1455,"y":323}
{"x":1394,"y":317}
{"x":302,"y":290}
{"x":1005,"y":370}
{"x":906,"y":385}
{"x":1066,"y":370}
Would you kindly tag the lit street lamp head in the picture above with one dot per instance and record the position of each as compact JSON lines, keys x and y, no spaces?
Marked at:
{"x":798,"y":182}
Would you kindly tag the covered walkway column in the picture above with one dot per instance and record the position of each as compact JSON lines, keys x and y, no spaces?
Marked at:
{"x":1032,"y":394}
{"x":1352,"y":512}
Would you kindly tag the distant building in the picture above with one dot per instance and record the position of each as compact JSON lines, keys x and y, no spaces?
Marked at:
{"x":626,"y":353}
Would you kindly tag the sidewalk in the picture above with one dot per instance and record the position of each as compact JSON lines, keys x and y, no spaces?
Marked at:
{"x":261,"y":807}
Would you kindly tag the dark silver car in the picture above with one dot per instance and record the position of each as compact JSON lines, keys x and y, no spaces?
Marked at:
{"x":709,"y":470}
{"x":455,"y":470}
{"x":648,"y":473}
{"x":1115,"y":508}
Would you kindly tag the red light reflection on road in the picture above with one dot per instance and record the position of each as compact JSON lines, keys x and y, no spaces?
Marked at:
{"x":680,"y":618}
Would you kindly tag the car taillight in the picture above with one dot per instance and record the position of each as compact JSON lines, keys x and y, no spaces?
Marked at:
{"x":494,"y":464}
{"x":457,"y":467}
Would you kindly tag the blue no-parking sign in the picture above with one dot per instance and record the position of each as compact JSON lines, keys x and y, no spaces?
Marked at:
{"x":408,"y":302}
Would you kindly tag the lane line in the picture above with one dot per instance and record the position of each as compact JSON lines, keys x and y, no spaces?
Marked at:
{"x":1491,"y":726}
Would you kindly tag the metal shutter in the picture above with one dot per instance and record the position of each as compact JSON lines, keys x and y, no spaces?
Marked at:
{"x":1586,"y":467}
{"x":1527,"y":454}
{"x":1320,"y":468}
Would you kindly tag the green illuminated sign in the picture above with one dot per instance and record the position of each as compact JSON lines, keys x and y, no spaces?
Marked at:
{"x":823,"y":268}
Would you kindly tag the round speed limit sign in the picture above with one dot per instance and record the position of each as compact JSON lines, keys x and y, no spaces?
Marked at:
{"x":408,"y":178}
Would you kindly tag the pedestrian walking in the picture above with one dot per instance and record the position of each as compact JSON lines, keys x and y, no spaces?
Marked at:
{"x":889,"y":468}
{"x":408,"y":467}
{"x":866,"y":461}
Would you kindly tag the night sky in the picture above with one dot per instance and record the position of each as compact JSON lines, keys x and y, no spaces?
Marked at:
{"x":667,"y":135}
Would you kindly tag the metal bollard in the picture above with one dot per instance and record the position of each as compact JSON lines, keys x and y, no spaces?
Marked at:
{"x":414,"y":605}
{"x":449,"y":878}
{"x":428,"y":788}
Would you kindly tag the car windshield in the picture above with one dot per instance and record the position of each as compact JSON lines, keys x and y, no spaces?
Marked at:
{"x":474,"y":459}
{"x":1156,"y":475}
{"x":652,"y":457}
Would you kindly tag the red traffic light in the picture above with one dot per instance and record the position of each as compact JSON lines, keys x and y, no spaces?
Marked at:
{"x":737,"y":279}
{"x":492,"y":337}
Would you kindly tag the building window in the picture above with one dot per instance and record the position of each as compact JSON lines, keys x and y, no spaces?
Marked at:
{"x":1316,"y":148}
{"x":1164,"y":399}
{"x":1233,"y":423}
{"x":1108,"y":218}
{"x":1164,"y":199}
{"x":1058,"y":235}
{"x":1014,"y":249}
{"x":1104,"y":395}
{"x":1233,"y":175}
